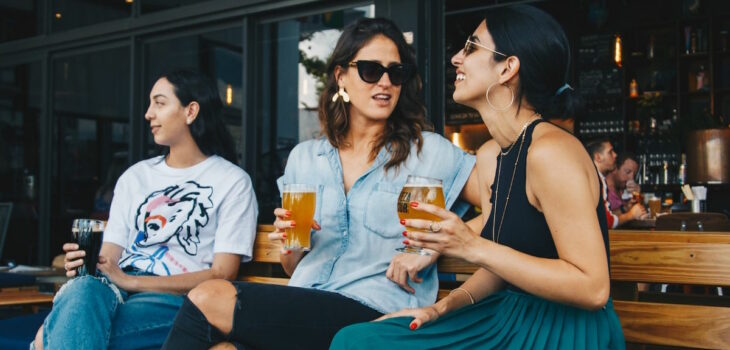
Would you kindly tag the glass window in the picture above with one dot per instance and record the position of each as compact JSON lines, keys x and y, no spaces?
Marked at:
{"x":218,"y":54}
{"x":287,"y":112}
{"x":20,"y":109}
{"x":91,"y":108}
{"x":159,"y":5}
{"x":19,"y":19}
{"x":69,"y":14}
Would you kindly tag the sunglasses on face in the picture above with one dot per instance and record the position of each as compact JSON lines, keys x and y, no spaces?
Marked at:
{"x":371,"y":71}
{"x":470,"y":46}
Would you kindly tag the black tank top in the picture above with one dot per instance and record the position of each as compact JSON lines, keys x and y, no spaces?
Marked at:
{"x":524,"y":228}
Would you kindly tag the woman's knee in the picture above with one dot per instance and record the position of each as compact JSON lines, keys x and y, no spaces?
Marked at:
{"x":216,"y":300}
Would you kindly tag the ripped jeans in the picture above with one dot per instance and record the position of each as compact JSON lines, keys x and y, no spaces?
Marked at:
{"x":92,"y":313}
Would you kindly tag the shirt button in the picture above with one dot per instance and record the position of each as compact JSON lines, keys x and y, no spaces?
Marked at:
{"x":344,"y":233}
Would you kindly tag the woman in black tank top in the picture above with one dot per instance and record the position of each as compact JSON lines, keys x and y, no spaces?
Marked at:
{"x":543,"y":250}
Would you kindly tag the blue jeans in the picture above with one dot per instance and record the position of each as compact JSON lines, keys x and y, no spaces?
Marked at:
{"x":92,"y":313}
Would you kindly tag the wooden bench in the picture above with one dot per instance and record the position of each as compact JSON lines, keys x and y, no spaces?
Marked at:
{"x":671,"y":257}
{"x":636,"y":256}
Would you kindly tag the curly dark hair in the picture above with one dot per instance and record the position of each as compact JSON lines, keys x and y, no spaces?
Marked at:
{"x":406,"y":122}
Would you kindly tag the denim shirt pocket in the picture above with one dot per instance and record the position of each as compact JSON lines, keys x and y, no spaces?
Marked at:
{"x":381,"y":214}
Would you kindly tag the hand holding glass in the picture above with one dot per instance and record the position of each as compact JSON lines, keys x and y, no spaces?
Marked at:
{"x":88,"y":234}
{"x":300,"y":200}
{"x":419,"y":189}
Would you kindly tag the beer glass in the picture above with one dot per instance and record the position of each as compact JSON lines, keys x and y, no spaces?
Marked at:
{"x":300,"y":200}
{"x":88,"y":233}
{"x":421,"y":189}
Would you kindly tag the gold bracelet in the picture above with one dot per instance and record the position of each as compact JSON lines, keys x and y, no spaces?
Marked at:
{"x":471,"y":298}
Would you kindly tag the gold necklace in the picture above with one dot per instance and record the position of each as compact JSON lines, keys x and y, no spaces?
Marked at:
{"x":521,"y":131}
{"x":499,"y":173}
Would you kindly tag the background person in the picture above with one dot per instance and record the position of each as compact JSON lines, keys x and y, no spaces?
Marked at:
{"x":374,"y":125}
{"x":543,"y":280}
{"x":620,"y":183}
{"x":604,"y":158}
{"x":176,"y":220}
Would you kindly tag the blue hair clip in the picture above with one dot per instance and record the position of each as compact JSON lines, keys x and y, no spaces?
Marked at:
{"x":563,"y":88}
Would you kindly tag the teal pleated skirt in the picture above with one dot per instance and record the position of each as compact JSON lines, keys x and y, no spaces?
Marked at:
{"x":505,"y":320}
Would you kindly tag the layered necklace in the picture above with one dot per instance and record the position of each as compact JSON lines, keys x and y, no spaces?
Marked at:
{"x":521,"y":135}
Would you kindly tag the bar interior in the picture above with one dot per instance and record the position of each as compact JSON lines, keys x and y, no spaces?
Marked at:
{"x":653,"y":76}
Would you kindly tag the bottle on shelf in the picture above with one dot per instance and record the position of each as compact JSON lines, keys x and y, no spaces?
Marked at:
{"x":633,"y":89}
{"x":682,"y":175}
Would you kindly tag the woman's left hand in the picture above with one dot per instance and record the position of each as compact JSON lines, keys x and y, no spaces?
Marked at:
{"x":114,"y":273}
{"x":451,"y":236}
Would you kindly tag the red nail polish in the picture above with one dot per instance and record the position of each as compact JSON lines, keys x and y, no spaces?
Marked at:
{"x":293,"y":224}
{"x":283,"y":235}
{"x":402,"y":221}
{"x":287,"y":214}
{"x":414,"y":204}
{"x":405,"y":233}
{"x":405,"y":241}
{"x":413,"y":325}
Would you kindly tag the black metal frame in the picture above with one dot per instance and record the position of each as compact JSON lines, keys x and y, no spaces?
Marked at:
{"x":134,"y":32}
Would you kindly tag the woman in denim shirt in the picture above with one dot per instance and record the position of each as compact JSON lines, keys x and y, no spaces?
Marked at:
{"x":375,"y":137}
{"x":543,"y":281}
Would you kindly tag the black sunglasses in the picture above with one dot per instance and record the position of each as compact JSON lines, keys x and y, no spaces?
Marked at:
{"x":371,"y":71}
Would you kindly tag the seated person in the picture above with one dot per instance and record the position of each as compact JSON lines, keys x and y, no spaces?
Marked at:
{"x":376,"y":136}
{"x":176,"y":220}
{"x":622,"y":189}
{"x":604,"y":158}
{"x":543,"y":279}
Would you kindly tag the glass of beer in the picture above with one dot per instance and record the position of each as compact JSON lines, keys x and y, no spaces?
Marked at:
{"x":300,"y":200}
{"x":420,"y":189}
{"x":88,"y":233}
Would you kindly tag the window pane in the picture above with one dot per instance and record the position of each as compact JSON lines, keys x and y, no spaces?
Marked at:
{"x":218,"y":54}
{"x":69,"y":14}
{"x":287,"y":112}
{"x":18,"y":19}
{"x":91,"y":107}
{"x":159,"y":5}
{"x":20,"y":90}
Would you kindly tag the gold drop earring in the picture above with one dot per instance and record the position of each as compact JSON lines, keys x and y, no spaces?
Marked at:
{"x":341,"y":93}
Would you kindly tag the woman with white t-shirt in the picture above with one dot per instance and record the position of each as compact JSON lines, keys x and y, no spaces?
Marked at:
{"x":176,"y":220}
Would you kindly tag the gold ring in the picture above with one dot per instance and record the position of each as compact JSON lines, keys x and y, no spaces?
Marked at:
{"x":431,"y":228}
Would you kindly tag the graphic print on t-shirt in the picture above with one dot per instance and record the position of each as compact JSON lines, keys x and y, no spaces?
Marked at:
{"x":179,"y":212}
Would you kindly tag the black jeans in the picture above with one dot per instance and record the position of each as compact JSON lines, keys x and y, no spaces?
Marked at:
{"x":272,"y":317}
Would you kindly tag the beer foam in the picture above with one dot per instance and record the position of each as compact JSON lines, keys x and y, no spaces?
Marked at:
{"x":420,"y":185}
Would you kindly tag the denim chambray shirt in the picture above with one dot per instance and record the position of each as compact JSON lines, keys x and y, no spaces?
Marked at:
{"x":361,"y":229}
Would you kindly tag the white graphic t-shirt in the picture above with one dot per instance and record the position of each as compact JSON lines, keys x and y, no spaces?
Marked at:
{"x":171,"y":221}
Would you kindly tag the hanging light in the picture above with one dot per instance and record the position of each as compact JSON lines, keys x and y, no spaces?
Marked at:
{"x":229,"y":94}
{"x":617,"y":50}
{"x":129,"y":1}
{"x":58,"y":15}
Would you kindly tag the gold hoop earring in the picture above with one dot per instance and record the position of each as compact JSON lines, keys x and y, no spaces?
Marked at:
{"x":341,"y":93}
{"x":512,"y":100}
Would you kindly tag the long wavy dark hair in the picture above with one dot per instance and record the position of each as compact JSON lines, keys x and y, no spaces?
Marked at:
{"x":208,"y":129}
{"x":406,"y":122}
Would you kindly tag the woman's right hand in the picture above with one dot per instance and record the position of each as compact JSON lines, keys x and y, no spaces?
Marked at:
{"x":73,"y":258}
{"x":420,"y":316}
{"x":283,"y":222}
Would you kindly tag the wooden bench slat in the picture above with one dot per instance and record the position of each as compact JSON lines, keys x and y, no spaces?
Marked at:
{"x":267,"y":280}
{"x":265,"y":250}
{"x":691,"y":258}
{"x":25,"y":298}
{"x":675,"y":325}
{"x":453,"y":265}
